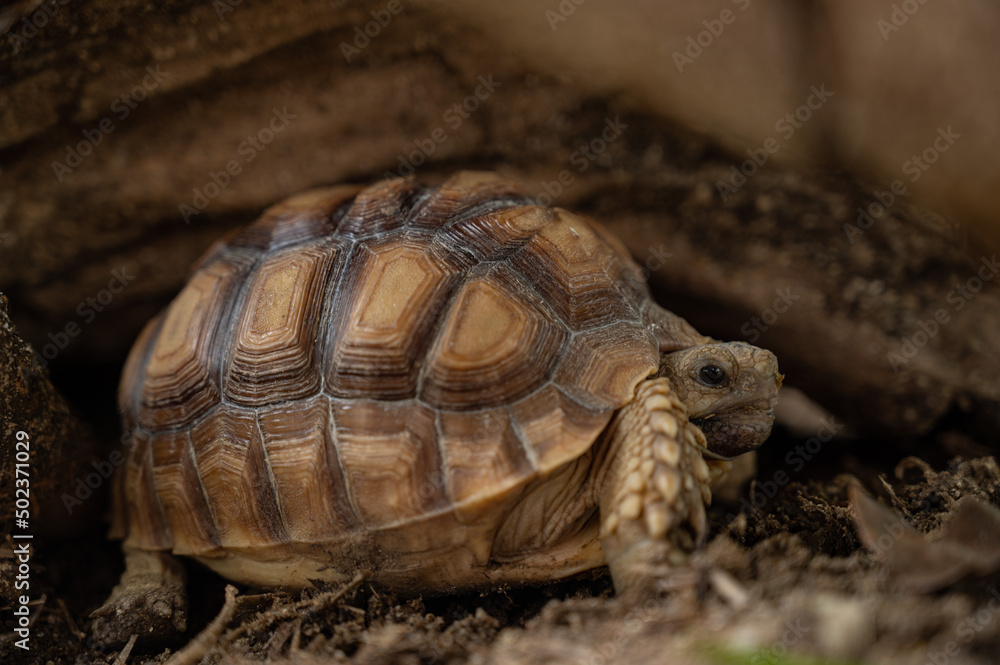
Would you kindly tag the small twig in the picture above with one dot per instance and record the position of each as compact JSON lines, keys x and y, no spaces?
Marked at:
{"x":278,"y":639}
{"x":729,"y":588}
{"x":900,"y":506}
{"x":292,"y":611}
{"x":69,"y":620}
{"x":296,"y":638}
{"x":41,"y":606}
{"x":197,"y":648}
{"x":127,"y":651}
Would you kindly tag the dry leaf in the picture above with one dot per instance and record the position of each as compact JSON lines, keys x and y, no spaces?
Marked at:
{"x":968,"y":544}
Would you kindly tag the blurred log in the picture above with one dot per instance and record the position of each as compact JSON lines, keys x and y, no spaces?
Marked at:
{"x":894,"y":74}
{"x":199,"y":116}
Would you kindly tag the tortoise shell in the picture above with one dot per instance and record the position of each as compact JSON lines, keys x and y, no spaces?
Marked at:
{"x":363,"y":359}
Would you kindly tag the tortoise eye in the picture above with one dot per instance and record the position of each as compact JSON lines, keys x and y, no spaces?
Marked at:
{"x":712,"y":375}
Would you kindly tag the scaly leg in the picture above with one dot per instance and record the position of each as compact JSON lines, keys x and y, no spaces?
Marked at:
{"x":149,"y":601}
{"x":655,"y":489}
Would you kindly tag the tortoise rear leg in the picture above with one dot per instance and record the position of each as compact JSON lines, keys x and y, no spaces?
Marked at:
{"x":149,"y":601}
{"x":654,"y":491}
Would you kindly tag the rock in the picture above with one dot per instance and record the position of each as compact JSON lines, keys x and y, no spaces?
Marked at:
{"x":45,"y":445}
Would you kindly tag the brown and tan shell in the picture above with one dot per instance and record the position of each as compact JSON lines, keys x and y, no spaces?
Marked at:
{"x":364,"y":358}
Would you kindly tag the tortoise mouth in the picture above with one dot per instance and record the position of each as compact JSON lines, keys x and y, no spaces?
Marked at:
{"x":733,"y":433}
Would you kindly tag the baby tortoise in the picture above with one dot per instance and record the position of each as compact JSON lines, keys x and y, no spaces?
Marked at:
{"x":450,"y":387}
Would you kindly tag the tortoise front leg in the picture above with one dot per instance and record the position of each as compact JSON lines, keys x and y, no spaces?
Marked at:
{"x":149,"y":601}
{"x":654,"y":490}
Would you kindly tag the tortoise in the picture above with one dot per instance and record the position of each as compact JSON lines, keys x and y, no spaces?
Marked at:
{"x":452,"y":387}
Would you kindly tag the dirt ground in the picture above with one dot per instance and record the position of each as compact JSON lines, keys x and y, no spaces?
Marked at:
{"x":799,"y":568}
{"x":783,"y":579}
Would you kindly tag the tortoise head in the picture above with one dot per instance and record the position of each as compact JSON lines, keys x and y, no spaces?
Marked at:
{"x":730,"y":390}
